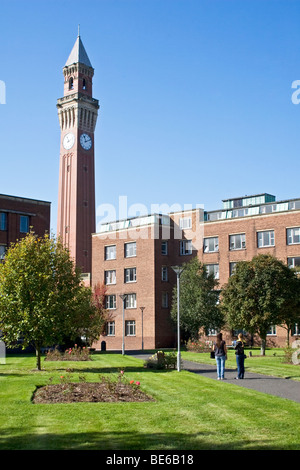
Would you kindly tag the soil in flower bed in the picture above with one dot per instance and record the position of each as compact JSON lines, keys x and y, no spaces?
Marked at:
{"x":89,"y":392}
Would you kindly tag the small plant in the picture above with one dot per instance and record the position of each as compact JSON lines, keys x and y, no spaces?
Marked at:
{"x":161,"y":360}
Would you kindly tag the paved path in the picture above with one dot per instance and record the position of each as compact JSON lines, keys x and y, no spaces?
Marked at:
{"x":284,"y":388}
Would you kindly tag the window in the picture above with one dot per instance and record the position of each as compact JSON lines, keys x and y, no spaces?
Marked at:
{"x":265,"y":239}
{"x":293,"y":236}
{"x":232,"y":268}
{"x":110,"y":302}
{"x":110,"y":277}
{"x":185,"y":222}
{"x":211,"y":245}
{"x":130,"y":328}
{"x":24,"y":223}
{"x":130,"y":275}
{"x":213,"y":269}
{"x":3,"y":221}
{"x":237,"y":242}
{"x":110,"y":252}
{"x":84,"y":84}
{"x":71,"y":84}
{"x":2,"y":251}
{"x":164,"y":273}
{"x":130,"y":249}
{"x":296,"y":330}
{"x":110,"y":328}
{"x":164,"y":247}
{"x":130,"y":301}
{"x":272,"y":331}
{"x":212,"y":332}
{"x":186,"y":247}
{"x":165,"y":300}
{"x":293,"y":262}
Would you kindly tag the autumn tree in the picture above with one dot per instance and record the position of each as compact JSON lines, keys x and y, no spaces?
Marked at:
{"x":42,"y":299}
{"x":261,"y":293}
{"x":198,"y":300}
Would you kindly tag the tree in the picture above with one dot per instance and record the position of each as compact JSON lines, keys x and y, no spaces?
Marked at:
{"x":42,"y":299}
{"x":198,"y":300}
{"x":261,"y":293}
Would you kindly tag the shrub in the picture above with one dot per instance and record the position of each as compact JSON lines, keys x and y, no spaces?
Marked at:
{"x":161,"y":360}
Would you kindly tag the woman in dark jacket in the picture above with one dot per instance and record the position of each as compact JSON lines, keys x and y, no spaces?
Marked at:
{"x":220,"y":355}
{"x":240,"y":356}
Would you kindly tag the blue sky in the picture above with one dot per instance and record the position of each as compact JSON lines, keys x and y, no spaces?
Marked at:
{"x":195,"y":98}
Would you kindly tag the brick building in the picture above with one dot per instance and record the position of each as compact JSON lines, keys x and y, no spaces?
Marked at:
{"x":135,"y":257}
{"x":17,"y":215}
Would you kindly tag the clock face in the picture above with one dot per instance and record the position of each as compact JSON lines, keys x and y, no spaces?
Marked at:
{"x":85,"y":141}
{"x":68,"y":141}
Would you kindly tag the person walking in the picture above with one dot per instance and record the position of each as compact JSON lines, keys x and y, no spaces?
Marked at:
{"x":220,"y":356}
{"x":240,"y":356}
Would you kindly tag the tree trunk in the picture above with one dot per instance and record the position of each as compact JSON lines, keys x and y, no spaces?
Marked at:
{"x":263,"y":346}
{"x":38,"y":357}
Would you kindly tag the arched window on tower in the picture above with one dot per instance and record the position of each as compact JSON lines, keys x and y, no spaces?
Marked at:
{"x":83,"y":84}
{"x":71,"y":85}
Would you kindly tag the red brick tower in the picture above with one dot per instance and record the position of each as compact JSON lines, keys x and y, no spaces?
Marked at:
{"x":77,"y":112}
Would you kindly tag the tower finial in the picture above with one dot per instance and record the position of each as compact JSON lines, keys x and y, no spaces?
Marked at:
{"x":78,"y":30}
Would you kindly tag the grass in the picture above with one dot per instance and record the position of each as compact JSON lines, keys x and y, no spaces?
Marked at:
{"x":190,"y":412}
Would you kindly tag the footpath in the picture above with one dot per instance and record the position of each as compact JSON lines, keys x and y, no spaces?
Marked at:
{"x":284,"y":388}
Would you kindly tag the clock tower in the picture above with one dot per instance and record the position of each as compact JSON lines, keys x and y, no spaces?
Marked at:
{"x":77,"y":112}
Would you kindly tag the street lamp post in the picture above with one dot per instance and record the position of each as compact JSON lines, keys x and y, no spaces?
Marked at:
{"x":142,"y":310}
{"x":123,"y":297}
{"x":178,"y":270}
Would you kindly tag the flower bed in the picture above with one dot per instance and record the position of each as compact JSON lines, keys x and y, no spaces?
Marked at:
{"x":71,"y":354}
{"x":199,"y":346}
{"x":106,"y":390}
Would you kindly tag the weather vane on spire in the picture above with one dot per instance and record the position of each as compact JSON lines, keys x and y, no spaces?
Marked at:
{"x":79,"y":30}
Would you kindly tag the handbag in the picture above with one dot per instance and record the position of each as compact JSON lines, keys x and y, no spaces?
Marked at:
{"x":212,"y":354}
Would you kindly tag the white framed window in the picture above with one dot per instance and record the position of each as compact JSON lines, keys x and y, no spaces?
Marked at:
{"x":293,"y":236}
{"x":293,"y":262}
{"x":129,"y":275}
{"x":110,"y":328}
{"x":130,"y":249}
{"x":110,"y":252}
{"x":232,"y":266}
{"x":186,"y":247}
{"x":130,"y":328}
{"x":110,"y":302}
{"x":164,"y":273}
{"x":3,"y":221}
{"x":266,"y":238}
{"x":165,"y":300}
{"x":212,"y":332}
{"x":213,"y":269}
{"x":2,"y":251}
{"x":110,"y":277}
{"x":237,"y":242}
{"x":185,"y":223}
{"x":164,"y":247}
{"x":211,"y":244}
{"x":296,"y":329}
{"x":271,"y":331}
{"x":24,"y":223}
{"x":130,"y":301}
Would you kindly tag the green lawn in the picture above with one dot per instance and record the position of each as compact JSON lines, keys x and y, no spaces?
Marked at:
{"x":190,"y":412}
